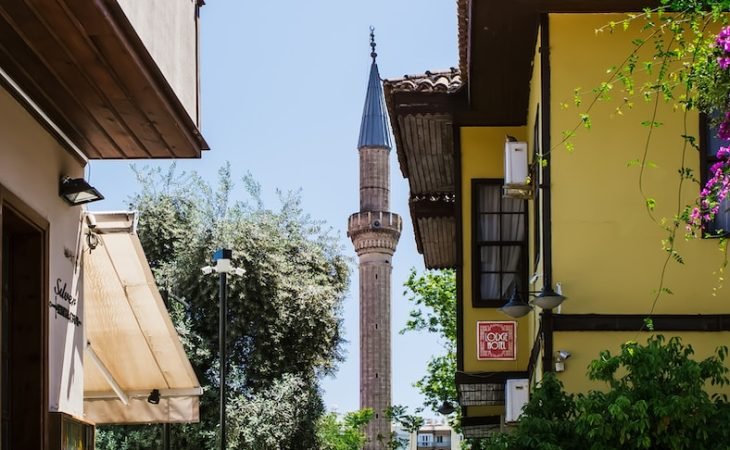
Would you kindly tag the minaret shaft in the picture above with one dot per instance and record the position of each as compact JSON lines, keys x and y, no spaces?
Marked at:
{"x":374,"y":179}
{"x":375,"y":232}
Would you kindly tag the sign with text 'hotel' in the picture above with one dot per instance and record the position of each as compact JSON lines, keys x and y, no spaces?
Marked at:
{"x":497,"y":340}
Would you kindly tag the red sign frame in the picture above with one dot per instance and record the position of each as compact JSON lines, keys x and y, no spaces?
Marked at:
{"x":497,"y":340}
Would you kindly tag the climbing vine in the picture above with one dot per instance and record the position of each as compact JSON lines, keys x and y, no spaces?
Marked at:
{"x":687,"y":68}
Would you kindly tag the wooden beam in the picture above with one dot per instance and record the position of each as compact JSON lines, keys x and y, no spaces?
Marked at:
{"x":488,"y":377}
{"x":635,"y":322}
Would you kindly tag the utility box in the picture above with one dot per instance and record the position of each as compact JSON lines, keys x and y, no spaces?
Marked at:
{"x":517,"y":180}
{"x":516,"y":395}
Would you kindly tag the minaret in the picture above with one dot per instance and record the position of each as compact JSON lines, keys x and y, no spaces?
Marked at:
{"x":374,"y":232}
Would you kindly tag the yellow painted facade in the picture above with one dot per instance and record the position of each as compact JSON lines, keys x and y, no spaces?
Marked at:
{"x":607,"y":253}
{"x":482,"y":156}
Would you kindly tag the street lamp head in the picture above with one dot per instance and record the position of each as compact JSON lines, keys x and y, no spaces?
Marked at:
{"x":223,"y":253}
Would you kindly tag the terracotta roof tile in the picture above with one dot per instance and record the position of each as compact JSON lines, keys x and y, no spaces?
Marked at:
{"x":446,"y":82}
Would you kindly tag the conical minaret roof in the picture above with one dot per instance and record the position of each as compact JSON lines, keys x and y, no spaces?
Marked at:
{"x":374,"y":125}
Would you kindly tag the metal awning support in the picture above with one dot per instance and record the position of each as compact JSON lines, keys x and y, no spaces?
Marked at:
{"x":107,"y":375}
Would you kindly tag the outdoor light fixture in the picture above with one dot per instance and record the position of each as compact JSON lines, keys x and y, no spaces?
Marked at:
{"x":560,"y":358}
{"x":547,"y":298}
{"x":154,"y":397}
{"x":222,"y":258}
{"x":516,"y":307}
{"x":76,"y":191}
{"x":446,"y":408}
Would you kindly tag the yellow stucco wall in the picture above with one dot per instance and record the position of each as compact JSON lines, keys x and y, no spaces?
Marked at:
{"x":607,"y":250}
{"x":482,"y":156}
{"x":585,"y":347}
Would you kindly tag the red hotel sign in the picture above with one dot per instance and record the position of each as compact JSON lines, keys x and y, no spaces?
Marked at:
{"x":497,"y":340}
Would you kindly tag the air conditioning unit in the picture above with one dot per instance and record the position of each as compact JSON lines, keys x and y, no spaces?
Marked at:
{"x":516,"y":396}
{"x":517,"y":180}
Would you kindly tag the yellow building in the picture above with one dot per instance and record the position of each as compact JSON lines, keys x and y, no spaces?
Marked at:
{"x":584,"y":232}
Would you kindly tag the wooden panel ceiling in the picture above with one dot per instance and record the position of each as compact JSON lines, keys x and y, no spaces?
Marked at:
{"x":86,"y":68}
{"x":436,"y":240}
{"x":428,"y":145}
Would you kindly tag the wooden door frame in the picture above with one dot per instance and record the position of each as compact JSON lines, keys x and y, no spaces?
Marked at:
{"x":35,"y":220}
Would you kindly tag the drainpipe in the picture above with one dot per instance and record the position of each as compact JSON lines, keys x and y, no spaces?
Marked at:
{"x":547,"y":240}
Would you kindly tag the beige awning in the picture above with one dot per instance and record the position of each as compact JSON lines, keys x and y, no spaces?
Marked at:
{"x":132,"y":345}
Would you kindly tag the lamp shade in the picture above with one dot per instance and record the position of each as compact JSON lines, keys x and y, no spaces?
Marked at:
{"x":516,"y":307}
{"x":446,"y":408}
{"x":547,"y":298}
{"x":76,"y":191}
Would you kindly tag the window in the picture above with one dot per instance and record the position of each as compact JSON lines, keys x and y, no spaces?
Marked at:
{"x":710,"y":144}
{"x":500,"y":244}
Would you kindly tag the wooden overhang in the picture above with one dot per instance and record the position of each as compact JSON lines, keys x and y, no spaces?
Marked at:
{"x":421,"y":113}
{"x":496,"y":45}
{"x":82,"y":63}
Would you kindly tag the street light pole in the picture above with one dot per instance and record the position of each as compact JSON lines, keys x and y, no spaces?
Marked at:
{"x":223,"y":318}
{"x":222,"y":259}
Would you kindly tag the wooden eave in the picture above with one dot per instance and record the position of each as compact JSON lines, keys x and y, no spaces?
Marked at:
{"x":497,"y":41}
{"x":83,"y":64}
{"x":422,"y":124}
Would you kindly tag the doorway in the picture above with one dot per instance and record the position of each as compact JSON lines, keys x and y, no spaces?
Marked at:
{"x":22,"y":336}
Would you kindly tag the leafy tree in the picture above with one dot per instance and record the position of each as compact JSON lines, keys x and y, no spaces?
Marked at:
{"x":434,"y":298}
{"x":410,"y":423}
{"x":656,"y":398}
{"x":347,"y":433}
{"x":284,"y":330}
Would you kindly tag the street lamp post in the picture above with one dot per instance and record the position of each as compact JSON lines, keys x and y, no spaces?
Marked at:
{"x":222,"y":259}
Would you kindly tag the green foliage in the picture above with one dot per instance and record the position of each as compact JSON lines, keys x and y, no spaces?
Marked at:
{"x":547,"y":422}
{"x":347,"y":433}
{"x":433,"y":295}
{"x":656,"y":398}
{"x":410,"y":423}
{"x":284,"y":313}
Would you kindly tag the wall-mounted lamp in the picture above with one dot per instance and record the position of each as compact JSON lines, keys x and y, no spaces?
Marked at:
{"x":560,"y":359}
{"x":516,"y":307}
{"x":154,"y":397}
{"x":76,"y":191}
{"x":547,"y":298}
{"x":446,"y":408}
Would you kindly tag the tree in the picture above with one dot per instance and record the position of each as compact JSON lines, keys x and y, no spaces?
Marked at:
{"x":348,"y":433}
{"x":284,"y":313}
{"x":656,"y":398}
{"x":433,"y":295}
{"x":410,"y":423}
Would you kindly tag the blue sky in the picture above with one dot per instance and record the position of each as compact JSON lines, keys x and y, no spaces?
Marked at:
{"x":283,"y":86}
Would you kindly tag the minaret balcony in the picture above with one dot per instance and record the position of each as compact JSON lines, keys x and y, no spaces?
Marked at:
{"x":374,"y":221}
{"x":374,"y":231}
